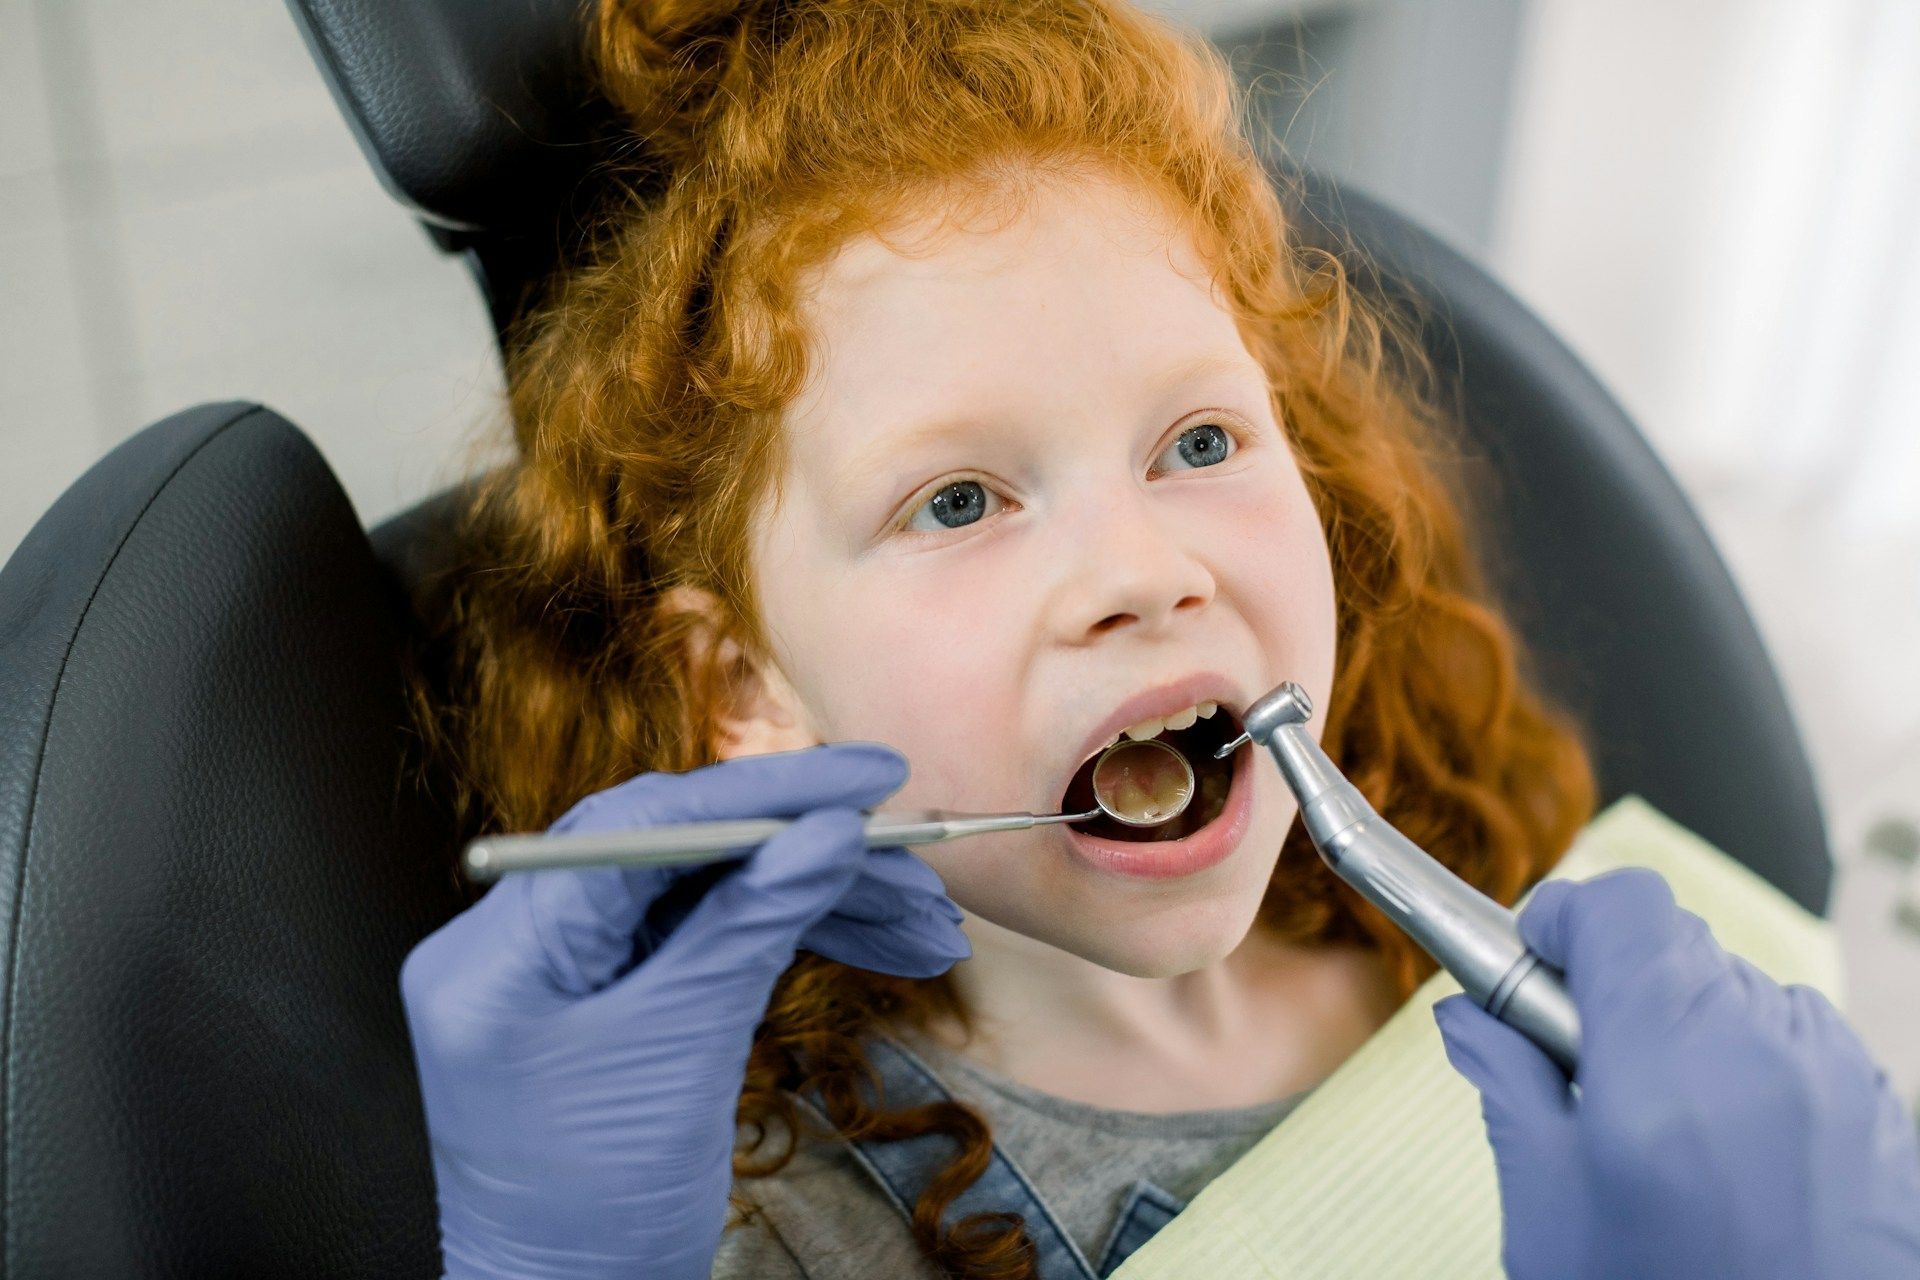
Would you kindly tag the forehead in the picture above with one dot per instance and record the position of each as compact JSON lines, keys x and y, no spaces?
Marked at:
{"x":1046,"y":301}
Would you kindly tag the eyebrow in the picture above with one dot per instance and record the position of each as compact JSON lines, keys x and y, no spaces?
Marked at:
{"x":865,"y":467}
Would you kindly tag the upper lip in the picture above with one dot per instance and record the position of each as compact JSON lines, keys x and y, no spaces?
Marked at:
{"x":1160,"y":701}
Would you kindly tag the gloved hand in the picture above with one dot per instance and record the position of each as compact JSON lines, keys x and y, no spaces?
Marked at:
{"x":1723,"y":1125}
{"x":581,"y":1051}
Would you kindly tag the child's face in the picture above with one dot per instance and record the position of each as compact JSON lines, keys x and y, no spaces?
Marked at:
{"x":1113,"y":532}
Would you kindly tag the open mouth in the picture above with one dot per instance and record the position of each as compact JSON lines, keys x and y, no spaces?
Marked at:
{"x":1212,"y":780}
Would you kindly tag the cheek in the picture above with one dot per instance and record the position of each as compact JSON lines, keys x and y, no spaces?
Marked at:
{"x":978,"y":873}
{"x":1276,"y":566}
{"x":1276,"y":524}
{"x":901,"y":664}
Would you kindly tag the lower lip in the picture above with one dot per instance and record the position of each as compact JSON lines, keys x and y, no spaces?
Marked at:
{"x":1168,"y":859}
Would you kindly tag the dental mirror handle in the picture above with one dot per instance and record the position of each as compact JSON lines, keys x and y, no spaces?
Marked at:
{"x":692,"y":843}
{"x":1471,"y":936}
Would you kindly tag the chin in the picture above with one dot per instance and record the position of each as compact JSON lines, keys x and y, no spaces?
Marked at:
{"x":1162,"y":944}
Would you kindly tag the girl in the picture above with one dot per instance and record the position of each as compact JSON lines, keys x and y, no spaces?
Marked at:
{"x":948,"y":377}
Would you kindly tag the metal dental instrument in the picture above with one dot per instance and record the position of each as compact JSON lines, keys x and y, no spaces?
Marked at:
{"x":1473,"y":937}
{"x":1124,"y":790}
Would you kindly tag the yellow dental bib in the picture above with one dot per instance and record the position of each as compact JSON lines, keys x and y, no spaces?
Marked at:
{"x":1385,"y":1170}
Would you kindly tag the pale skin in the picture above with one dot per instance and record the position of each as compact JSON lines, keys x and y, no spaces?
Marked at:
{"x":984,"y":636}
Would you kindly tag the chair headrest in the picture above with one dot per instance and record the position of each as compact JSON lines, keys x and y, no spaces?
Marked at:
{"x":473,"y":115}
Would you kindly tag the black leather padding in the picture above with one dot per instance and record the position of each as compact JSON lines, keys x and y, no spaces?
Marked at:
{"x":212,"y":871}
{"x":1626,"y":606}
{"x":474,"y":116}
{"x":479,"y":117}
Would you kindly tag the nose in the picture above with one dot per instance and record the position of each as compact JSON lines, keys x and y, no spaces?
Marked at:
{"x":1130,"y":563}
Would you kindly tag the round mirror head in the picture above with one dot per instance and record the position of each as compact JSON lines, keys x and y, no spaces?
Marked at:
{"x":1142,"y":783}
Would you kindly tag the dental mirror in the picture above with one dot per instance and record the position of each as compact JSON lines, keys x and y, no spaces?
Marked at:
{"x":1141,"y":783}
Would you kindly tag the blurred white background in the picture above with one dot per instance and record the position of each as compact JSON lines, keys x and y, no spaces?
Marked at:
{"x":1716,"y":203}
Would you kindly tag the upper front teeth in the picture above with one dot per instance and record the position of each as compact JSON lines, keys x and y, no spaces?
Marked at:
{"x":1154,"y":728}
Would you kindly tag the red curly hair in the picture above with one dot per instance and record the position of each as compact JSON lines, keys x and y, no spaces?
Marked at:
{"x":646,"y":394}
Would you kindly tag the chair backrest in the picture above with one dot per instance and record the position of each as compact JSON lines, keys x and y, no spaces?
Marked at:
{"x":212,"y":862}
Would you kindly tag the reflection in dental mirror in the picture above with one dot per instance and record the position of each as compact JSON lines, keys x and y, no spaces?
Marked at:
{"x":1142,"y":783}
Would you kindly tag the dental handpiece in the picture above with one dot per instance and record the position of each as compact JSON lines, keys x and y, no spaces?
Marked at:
{"x":1472,"y":937}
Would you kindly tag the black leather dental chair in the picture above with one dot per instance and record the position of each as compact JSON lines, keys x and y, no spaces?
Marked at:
{"x":212,"y":859}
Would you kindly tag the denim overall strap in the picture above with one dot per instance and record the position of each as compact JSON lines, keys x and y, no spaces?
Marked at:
{"x":1148,"y":1209}
{"x":905,"y":1167}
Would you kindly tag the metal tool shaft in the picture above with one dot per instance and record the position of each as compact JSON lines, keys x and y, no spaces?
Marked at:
{"x":693,"y":843}
{"x":1472,"y":937}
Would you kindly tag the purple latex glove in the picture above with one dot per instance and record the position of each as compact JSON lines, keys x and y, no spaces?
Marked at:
{"x":1723,"y":1125}
{"x":581,"y":1034}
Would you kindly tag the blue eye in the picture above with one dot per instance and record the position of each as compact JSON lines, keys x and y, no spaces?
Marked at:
{"x":954,"y":505}
{"x":959,"y":503}
{"x":1204,"y":445}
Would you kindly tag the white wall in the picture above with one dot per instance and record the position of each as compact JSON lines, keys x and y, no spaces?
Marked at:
{"x":184,"y":217}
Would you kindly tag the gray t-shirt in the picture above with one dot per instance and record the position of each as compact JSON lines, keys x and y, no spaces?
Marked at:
{"x":823,"y":1218}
